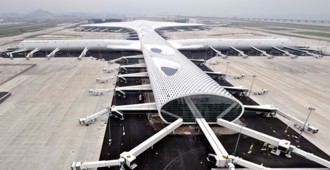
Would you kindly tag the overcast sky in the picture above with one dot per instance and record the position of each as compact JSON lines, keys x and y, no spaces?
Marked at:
{"x":301,"y":9}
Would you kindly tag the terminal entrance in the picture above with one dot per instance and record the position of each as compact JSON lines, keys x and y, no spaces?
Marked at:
{"x":210,"y":108}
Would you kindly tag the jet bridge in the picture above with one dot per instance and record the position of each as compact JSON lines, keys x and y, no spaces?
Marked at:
{"x":92,"y":118}
{"x":280,"y":145}
{"x":304,"y":52}
{"x":16,"y":51}
{"x":125,"y":68}
{"x":241,"y":53}
{"x":98,"y":92}
{"x":105,"y":79}
{"x":285,"y":52}
{"x":109,"y":70}
{"x":219,"y":53}
{"x":233,"y":90}
{"x":124,"y":77}
{"x":127,"y":58}
{"x":218,"y":148}
{"x":215,"y":75}
{"x":118,"y":111}
{"x":53,"y":53}
{"x":131,"y":155}
{"x":135,"y":57}
{"x":221,"y":158}
{"x":30,"y":54}
{"x":197,"y":61}
{"x":144,"y":107}
{"x":83,"y":53}
{"x":271,"y":111}
{"x":121,"y":91}
{"x":264,"y":53}
{"x":129,"y":158}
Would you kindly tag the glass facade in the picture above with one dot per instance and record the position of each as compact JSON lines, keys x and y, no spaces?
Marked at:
{"x":209,"y":107}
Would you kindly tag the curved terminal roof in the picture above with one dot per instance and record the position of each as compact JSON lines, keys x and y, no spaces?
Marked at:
{"x":175,"y":80}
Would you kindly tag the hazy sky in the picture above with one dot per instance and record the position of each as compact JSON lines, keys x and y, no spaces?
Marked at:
{"x":302,"y":9}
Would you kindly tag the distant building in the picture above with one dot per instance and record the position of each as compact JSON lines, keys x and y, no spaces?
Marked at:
{"x":95,"y":21}
{"x":192,"y":20}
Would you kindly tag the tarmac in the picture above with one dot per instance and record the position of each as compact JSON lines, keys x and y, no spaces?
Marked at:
{"x":39,"y":123}
{"x":293,"y":84}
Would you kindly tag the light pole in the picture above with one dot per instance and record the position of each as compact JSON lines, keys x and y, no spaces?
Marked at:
{"x":253,"y":76}
{"x":239,"y":136}
{"x":226,"y":69}
{"x":303,"y":128}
